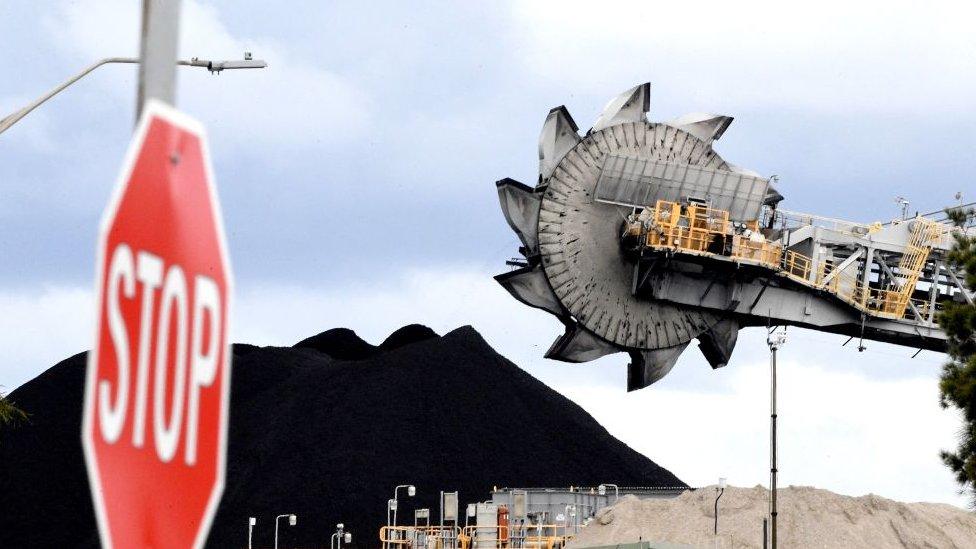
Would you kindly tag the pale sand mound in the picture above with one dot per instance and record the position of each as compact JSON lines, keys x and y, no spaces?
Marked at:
{"x":808,"y":517}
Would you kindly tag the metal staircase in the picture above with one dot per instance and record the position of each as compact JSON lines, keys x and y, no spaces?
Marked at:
{"x":924,"y":235}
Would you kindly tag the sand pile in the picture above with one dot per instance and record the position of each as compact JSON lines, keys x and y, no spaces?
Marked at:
{"x":325,"y":430}
{"x":808,"y":517}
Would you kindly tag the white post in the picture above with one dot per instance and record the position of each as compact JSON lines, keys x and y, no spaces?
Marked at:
{"x":411,"y":490}
{"x":292,"y":519}
{"x":250,"y":529}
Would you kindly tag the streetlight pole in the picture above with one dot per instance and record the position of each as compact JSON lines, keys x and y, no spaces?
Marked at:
{"x":775,"y":339}
{"x":251,"y":521}
{"x":292,"y":520}
{"x":721,"y":491}
{"x":212,"y":66}
{"x":339,"y":537}
{"x":411,"y":490}
{"x":393,"y":504}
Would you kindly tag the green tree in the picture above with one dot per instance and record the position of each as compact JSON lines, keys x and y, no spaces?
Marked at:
{"x":957,"y":386}
{"x":9,"y":413}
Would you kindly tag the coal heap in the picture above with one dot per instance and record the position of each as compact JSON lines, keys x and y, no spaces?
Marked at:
{"x":325,"y":430}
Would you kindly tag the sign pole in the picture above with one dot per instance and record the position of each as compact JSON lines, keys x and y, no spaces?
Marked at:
{"x":157,"y":51}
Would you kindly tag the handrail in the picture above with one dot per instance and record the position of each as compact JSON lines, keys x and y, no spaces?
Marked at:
{"x":405,"y":535}
{"x":695,"y":228}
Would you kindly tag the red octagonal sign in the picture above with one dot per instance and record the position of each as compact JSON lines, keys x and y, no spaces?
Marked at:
{"x":156,"y":399}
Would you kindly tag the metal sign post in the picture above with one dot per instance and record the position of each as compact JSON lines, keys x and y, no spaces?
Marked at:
{"x":157,"y":50}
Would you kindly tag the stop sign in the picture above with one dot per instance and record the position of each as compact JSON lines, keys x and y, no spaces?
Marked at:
{"x":156,"y":399}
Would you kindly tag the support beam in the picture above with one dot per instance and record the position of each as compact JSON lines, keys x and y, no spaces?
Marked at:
{"x":866,"y":271}
{"x":844,"y":264}
{"x":955,"y":280}
{"x":934,"y":291}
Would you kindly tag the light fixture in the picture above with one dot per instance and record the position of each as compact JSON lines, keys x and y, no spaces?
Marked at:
{"x":251,"y":521}
{"x":339,"y":537}
{"x":292,"y":520}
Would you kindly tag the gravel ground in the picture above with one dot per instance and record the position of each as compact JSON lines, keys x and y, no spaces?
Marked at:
{"x":808,"y":517}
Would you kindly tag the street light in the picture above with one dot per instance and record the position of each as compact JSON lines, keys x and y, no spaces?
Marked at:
{"x":391,"y":505}
{"x":251,"y":521}
{"x":775,"y":339}
{"x":904,"y":203}
{"x":340,"y":537}
{"x":212,"y":66}
{"x":292,"y":520}
{"x":721,"y":490}
{"x":411,"y":492}
{"x":602,"y":490}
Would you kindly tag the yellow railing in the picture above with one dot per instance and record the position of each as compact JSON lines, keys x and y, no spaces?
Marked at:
{"x":680,"y":238}
{"x":403,"y":537}
{"x":530,"y":536}
{"x":484,"y":537}
{"x":797,"y":265}
{"x":691,"y":230}
{"x":709,"y":219}
{"x":848,"y":286}
{"x":667,"y":213}
{"x":547,"y":536}
{"x":761,"y":252}
{"x":695,"y":228}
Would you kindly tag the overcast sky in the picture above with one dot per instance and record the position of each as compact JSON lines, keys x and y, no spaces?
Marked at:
{"x":357,"y":180}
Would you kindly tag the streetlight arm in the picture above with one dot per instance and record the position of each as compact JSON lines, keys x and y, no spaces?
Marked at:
{"x":12,"y":119}
{"x":212,"y":66}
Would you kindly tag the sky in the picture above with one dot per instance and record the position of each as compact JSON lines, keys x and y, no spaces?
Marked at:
{"x":356,"y":176}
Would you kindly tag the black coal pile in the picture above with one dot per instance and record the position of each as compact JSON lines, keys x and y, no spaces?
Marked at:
{"x":326,"y":430}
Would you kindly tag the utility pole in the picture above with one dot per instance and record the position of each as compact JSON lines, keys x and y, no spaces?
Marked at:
{"x":775,"y":339}
{"x":157,"y":52}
